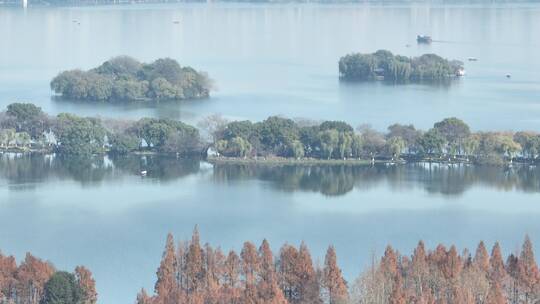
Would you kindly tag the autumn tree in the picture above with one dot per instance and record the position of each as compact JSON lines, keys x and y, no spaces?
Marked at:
{"x":398,"y":295}
{"x":268,"y":288}
{"x":166,"y":274}
{"x":87,"y":284}
{"x":333,"y":281}
{"x":481,"y":258}
{"x":31,"y":276}
{"x":495,"y":295}
{"x":194,"y":265}
{"x":143,"y":298}
{"x":528,"y":274}
{"x":250,"y":269}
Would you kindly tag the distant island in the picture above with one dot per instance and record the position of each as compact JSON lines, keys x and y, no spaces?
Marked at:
{"x":126,"y":79}
{"x":383,"y":65}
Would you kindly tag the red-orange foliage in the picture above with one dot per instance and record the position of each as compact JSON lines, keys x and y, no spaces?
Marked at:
{"x":87,"y":284}
{"x":24,"y":284}
{"x":443,"y":276}
{"x":204,"y":275}
{"x":333,"y":281}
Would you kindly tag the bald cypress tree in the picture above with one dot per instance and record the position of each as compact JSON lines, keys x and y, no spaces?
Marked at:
{"x":309,"y":288}
{"x":250,"y":269}
{"x":497,"y":273}
{"x":398,"y":295}
{"x":166,"y":284}
{"x":333,"y":281}
{"x":268,"y":288}
{"x":481,"y":258}
{"x":194,"y":265}
{"x":495,"y":295}
{"x":528,"y":274}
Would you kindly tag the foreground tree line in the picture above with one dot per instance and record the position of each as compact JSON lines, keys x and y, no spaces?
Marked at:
{"x":26,"y":127}
{"x":35,"y":281}
{"x":126,"y":79}
{"x":384,"y":65}
{"x":195,"y":273}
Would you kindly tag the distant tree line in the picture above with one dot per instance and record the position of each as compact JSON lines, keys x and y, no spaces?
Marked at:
{"x":26,"y":127}
{"x":384,"y":65}
{"x":126,"y":79}
{"x":35,"y":281}
{"x":196,"y":273}
{"x":449,"y":139}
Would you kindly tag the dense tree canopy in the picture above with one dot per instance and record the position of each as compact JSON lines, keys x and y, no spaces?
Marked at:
{"x":391,"y":67}
{"x":35,"y":281}
{"x":24,"y":127}
{"x":125,"y":79}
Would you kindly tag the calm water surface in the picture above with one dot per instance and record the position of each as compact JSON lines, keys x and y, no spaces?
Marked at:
{"x":269,"y":59}
{"x":282,"y":59}
{"x":101,"y":214}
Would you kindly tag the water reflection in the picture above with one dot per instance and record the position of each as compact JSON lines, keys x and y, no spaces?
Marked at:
{"x":28,"y":171}
{"x":339,"y":180}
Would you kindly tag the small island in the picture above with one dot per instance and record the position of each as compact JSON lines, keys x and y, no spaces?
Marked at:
{"x":26,"y":128}
{"x":383,"y":65}
{"x":126,"y":79}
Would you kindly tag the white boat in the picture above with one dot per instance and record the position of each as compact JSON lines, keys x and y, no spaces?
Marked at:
{"x":460,"y":72}
{"x":143,"y":173}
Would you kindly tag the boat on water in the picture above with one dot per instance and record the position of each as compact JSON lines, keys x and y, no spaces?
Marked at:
{"x":460,"y":72}
{"x":423,"y":39}
{"x":472,"y":59}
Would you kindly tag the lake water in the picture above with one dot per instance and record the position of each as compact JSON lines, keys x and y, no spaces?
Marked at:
{"x":266,"y":60}
{"x":102,"y":214}
{"x":282,"y":59}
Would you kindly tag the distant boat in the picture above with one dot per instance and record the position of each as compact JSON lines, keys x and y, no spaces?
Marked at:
{"x":472,"y":59}
{"x":424,"y":39}
{"x":508,"y":75}
{"x":143,"y":173}
{"x":460,"y":72}
{"x":176,"y":22}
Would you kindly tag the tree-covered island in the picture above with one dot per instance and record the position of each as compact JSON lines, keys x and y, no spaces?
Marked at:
{"x":126,"y":79}
{"x":386,"y":66}
{"x":24,"y":127}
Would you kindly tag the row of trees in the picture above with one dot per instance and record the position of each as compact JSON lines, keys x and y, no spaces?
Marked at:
{"x":35,"y":281}
{"x":397,"y":68}
{"x":126,"y":79}
{"x":450,"y":138}
{"x":25,"y":125}
{"x":193,"y":273}
{"x":445,"y":276}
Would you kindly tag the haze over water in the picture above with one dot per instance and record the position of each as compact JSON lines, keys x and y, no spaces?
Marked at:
{"x":282,"y":58}
{"x":268,"y":60}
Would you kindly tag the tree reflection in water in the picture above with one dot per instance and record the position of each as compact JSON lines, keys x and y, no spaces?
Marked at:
{"x":27,"y":171}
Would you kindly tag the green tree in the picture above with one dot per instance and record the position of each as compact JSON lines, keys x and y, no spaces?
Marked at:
{"x":78,"y":135}
{"x":395,"y":146}
{"x":329,"y":140}
{"x":62,"y":288}
{"x":432,"y":142}
{"x":455,"y":131}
